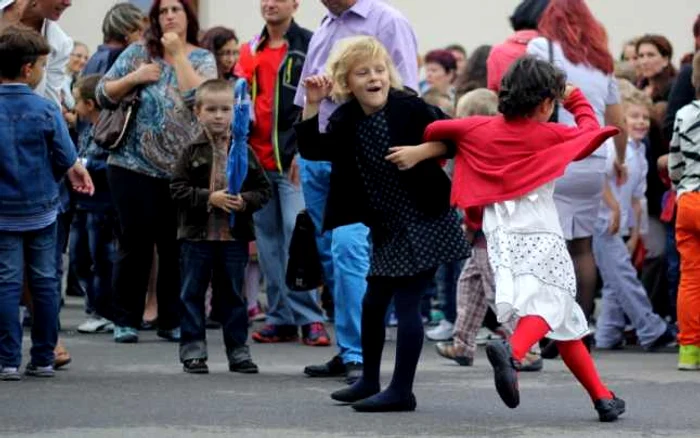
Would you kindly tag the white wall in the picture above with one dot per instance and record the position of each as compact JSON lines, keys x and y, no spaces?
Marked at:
{"x":437,"y":22}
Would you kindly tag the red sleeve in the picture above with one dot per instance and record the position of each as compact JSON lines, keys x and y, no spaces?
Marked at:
{"x":245,"y":67}
{"x":446,"y":130}
{"x":578,"y":105}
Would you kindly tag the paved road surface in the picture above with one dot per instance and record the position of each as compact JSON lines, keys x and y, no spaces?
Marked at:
{"x":140,"y":391}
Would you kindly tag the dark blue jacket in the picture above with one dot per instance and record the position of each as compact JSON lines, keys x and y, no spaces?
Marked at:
{"x":36,"y":151}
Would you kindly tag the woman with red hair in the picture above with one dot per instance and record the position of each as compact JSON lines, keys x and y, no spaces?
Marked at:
{"x":573,"y":40}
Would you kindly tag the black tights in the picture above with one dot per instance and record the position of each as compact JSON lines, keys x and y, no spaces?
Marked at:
{"x":407,"y":293}
{"x":581,"y":252}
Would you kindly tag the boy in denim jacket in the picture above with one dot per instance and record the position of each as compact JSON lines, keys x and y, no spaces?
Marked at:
{"x":36,"y":152}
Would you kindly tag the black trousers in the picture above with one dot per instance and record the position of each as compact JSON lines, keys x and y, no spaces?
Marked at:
{"x":147,"y":217}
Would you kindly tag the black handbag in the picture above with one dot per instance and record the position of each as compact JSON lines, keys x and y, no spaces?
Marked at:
{"x":304,"y":269}
{"x":113,"y":125}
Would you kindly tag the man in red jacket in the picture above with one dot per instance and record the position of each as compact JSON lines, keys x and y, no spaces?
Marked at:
{"x":272,"y":63}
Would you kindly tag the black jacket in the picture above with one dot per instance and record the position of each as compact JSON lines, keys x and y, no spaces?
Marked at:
{"x":284,"y":112}
{"x":408,"y":116}
{"x":190,"y":190}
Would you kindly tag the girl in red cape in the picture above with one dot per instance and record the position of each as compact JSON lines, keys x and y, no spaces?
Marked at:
{"x":508,"y":165}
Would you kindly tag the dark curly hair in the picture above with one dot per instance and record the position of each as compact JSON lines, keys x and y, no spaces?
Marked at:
{"x":528,"y":83}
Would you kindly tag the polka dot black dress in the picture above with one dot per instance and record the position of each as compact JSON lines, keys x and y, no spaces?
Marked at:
{"x":405,"y":240}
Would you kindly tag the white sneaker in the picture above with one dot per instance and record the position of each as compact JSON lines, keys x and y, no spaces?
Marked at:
{"x":443,"y":331}
{"x":96,"y":325}
{"x":485,"y":335}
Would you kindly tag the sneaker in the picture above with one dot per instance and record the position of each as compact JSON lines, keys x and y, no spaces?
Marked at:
{"x":96,"y":325}
{"x":609,"y":409}
{"x":449,"y":351}
{"x":37,"y":371}
{"x":689,"y":358}
{"x":125,"y":335}
{"x":195,"y":366}
{"x":667,"y":339}
{"x":531,"y":363}
{"x":270,"y":334}
{"x":255,"y":313}
{"x":315,"y":335}
{"x":172,"y":335}
{"x":443,"y":331}
{"x":485,"y":335}
{"x":240,"y":361}
{"x":9,"y":374}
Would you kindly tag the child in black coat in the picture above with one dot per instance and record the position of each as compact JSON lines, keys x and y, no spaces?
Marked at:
{"x":370,"y":141}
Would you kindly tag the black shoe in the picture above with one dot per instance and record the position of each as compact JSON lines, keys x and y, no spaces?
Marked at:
{"x":195,"y":366}
{"x":504,"y":372}
{"x":354,"y":372}
{"x":609,"y":409}
{"x":333,"y":368}
{"x":212,"y":324}
{"x":383,"y":402}
{"x":549,"y":349}
{"x":244,"y":367}
{"x":240,"y":361}
{"x":356,"y":392}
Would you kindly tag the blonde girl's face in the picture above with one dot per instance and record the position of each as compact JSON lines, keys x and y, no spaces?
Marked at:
{"x":637,"y":120}
{"x":369,"y":81}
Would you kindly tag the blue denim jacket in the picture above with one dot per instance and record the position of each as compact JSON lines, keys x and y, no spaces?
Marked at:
{"x":36,"y":152}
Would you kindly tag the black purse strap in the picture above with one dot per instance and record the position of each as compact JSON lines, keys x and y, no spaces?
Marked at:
{"x":555,"y":113}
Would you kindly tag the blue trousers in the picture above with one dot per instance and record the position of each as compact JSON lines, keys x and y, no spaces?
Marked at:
{"x":623,"y":294}
{"x":274,"y":225}
{"x":222,"y":263}
{"x":345,"y":257}
{"x":33,"y":252}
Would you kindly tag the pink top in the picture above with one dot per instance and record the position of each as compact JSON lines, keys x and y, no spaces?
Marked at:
{"x":503,"y":55}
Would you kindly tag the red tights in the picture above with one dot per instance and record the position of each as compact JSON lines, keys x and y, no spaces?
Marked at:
{"x":532,"y":329}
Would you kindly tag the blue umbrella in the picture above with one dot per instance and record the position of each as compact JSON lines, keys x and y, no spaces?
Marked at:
{"x":237,"y":166}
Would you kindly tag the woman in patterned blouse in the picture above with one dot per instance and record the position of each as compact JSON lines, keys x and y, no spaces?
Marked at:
{"x":166,"y":70}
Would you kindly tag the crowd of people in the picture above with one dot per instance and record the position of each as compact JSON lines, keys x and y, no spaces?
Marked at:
{"x":494,"y":196}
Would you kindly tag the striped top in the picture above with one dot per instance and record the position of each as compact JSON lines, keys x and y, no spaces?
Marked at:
{"x":684,"y":154}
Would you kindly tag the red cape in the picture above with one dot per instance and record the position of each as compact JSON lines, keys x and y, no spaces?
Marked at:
{"x":499,"y":160}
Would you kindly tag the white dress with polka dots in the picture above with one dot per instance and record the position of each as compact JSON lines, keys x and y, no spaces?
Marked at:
{"x":533,"y":271}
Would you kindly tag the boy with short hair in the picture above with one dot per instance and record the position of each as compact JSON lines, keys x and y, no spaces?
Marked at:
{"x":621,"y":216}
{"x":99,"y":212}
{"x":212,"y":246}
{"x":36,"y":152}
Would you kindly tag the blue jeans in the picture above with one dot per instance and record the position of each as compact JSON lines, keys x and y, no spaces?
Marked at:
{"x":101,"y":242}
{"x":274,"y":225}
{"x":345,"y":257}
{"x":446,"y":280}
{"x":623,"y":293}
{"x":79,"y":253}
{"x":223,"y":264}
{"x":673,"y":267}
{"x":33,"y":252}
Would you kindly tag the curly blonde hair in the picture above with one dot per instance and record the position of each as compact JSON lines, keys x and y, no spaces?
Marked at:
{"x":631,"y":95}
{"x":346,"y":54}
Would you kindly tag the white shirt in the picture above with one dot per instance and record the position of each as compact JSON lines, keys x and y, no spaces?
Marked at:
{"x":55,"y":75}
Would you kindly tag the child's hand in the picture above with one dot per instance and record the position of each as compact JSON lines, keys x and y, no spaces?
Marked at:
{"x":632,"y":244}
{"x":239,"y":203}
{"x":405,"y":157}
{"x":80,"y":179}
{"x":621,"y":172}
{"x":570,"y":88}
{"x":317,"y":88}
{"x":614,"y":221}
{"x":662,"y":163}
{"x":221,"y":199}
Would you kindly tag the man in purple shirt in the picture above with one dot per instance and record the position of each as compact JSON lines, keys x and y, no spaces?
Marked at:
{"x":345,"y":250}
